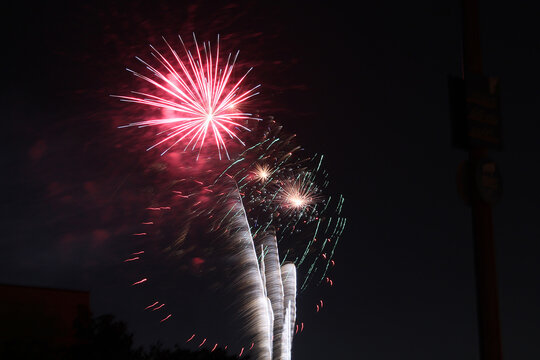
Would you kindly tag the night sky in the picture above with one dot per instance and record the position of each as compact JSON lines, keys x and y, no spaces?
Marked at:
{"x":366,"y":86}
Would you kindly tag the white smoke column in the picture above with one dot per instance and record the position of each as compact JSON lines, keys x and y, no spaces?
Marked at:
{"x":255,"y":305}
{"x":288,"y":277}
{"x":269,"y":259}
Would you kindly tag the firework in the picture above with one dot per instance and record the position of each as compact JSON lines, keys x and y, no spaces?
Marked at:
{"x":270,"y":268}
{"x":200,"y":94}
{"x":241,"y":213}
{"x":256,"y":307}
{"x":298,"y":194}
{"x":280,"y":285}
{"x":269,"y":193}
{"x":288,"y":277}
{"x":262,"y":172}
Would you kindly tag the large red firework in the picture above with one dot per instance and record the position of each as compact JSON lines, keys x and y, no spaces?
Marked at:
{"x":199,"y":92}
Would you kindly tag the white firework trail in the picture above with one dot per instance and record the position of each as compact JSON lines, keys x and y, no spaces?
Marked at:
{"x":280,"y":283}
{"x":288,"y":277}
{"x":255,"y":305}
{"x":268,"y":289}
{"x":269,"y":260}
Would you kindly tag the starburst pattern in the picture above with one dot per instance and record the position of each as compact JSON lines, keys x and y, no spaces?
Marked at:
{"x":200,"y":94}
{"x":298,"y":194}
{"x":262,"y":172}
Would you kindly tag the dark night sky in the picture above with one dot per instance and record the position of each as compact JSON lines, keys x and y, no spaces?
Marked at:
{"x":366,"y":86}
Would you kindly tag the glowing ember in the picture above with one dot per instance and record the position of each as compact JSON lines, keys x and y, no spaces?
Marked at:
{"x":201,"y":95}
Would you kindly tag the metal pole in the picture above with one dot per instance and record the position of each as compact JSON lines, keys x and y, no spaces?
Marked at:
{"x":486,"y":278}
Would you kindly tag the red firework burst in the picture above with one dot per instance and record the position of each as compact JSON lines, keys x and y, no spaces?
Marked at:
{"x":200,"y":92}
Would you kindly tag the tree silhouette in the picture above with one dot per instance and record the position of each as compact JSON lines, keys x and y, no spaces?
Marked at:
{"x":102,"y":338}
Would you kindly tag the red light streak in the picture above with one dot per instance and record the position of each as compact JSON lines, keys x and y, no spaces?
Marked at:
{"x":149,"y":306}
{"x":132,"y":259}
{"x":140,"y":281}
{"x":191,"y":338}
{"x":180,"y":194}
{"x":166,"y":318}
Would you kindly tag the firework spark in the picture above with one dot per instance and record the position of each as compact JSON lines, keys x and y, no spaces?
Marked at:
{"x":199,"y":91}
{"x":262,"y":172}
{"x":298,"y":194}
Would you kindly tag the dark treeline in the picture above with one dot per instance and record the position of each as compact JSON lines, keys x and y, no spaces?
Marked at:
{"x":103,"y":338}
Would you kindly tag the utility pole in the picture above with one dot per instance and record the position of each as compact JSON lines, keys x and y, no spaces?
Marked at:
{"x":479,"y":131}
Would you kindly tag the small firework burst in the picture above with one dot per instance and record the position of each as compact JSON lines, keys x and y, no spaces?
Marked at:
{"x":298,"y":194}
{"x":199,"y":92}
{"x":262,"y":172}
